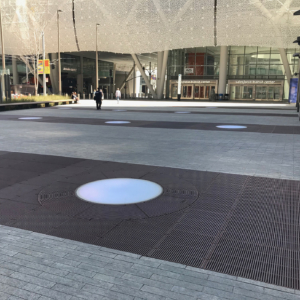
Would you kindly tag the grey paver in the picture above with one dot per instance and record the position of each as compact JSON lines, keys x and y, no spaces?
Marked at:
{"x":38,"y":266}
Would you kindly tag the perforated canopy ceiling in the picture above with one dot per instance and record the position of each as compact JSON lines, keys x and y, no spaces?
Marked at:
{"x":139,"y":26}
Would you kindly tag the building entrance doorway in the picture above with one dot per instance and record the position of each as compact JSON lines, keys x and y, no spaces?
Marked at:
{"x":264,"y":92}
{"x":259,"y":90}
{"x":187,"y":92}
{"x":203,"y":91}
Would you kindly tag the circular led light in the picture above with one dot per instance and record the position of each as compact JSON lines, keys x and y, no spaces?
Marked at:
{"x":30,"y":118}
{"x":231,"y":126}
{"x":182,"y":112}
{"x":119,"y":110}
{"x":117,"y":122}
{"x":119,"y":191}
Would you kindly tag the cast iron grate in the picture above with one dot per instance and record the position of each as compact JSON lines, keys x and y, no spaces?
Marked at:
{"x":238,"y":225}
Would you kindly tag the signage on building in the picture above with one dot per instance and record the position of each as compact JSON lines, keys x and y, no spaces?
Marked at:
{"x":179,"y":84}
{"x":69,"y":69}
{"x":293,"y":90}
{"x":188,"y":70}
{"x":254,"y":82}
{"x":41,"y":66}
{"x":200,"y":81}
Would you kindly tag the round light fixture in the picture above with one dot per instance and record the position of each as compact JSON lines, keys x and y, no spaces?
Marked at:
{"x":182,"y":112}
{"x":117,"y":122}
{"x":30,"y":118}
{"x":231,"y":126}
{"x":119,"y":191}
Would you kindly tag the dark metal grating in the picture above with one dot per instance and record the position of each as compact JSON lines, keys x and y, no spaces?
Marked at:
{"x":239,"y":225}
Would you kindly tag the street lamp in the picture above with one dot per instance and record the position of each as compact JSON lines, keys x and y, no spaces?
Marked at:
{"x":97,"y":55}
{"x":59,"y":65}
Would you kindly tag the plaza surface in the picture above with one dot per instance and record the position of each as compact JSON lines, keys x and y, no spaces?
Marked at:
{"x":225,"y":227}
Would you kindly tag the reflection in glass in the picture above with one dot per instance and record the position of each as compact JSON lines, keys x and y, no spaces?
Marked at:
{"x":201,"y":92}
{"x":207,"y":90}
{"x":197,"y":91}
{"x":174,"y":90}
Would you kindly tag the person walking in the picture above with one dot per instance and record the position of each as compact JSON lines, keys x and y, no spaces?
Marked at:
{"x":98,"y":99}
{"x":118,"y":94}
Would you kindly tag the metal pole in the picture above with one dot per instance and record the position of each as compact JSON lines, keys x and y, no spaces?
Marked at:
{"x":59,"y":63}
{"x":97,"y":73}
{"x":133,"y":83}
{"x":44,"y":57}
{"x":26,"y":70}
{"x":2,"y":41}
{"x":298,"y":87}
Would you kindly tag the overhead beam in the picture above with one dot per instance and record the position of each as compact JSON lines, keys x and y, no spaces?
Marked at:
{"x":138,"y":64}
{"x":127,"y":77}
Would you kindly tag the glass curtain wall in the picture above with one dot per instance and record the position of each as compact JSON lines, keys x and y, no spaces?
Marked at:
{"x":255,"y":63}
{"x":197,"y":62}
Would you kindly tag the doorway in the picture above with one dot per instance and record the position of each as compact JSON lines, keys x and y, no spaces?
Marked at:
{"x":203,"y":91}
{"x":187,"y":92}
{"x":264,"y":92}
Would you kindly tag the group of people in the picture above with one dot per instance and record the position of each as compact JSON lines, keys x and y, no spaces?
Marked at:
{"x":74,"y":96}
{"x":99,"y":96}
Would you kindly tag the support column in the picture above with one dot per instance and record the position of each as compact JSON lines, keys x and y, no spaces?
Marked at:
{"x":133,"y":82}
{"x":54,"y":73}
{"x":286,"y":65}
{"x":15,"y":71}
{"x":223,"y":70}
{"x":160,"y":92}
{"x":114,"y":79}
{"x":160,"y":58}
{"x":137,"y":83}
{"x":127,"y":76}
{"x":80,"y":79}
{"x":138,"y":64}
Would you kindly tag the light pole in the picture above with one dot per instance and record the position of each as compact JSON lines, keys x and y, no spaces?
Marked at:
{"x":44,"y":71}
{"x":2,"y":42}
{"x":297,"y":13}
{"x":59,"y":65}
{"x":97,"y":56}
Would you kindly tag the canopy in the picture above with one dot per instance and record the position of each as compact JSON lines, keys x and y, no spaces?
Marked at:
{"x":139,"y":26}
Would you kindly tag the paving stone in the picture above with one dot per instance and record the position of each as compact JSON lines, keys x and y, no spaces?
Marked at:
{"x":165,"y":293}
{"x":44,"y":291}
{"x":280,"y":295}
{"x":87,"y":280}
{"x":136,"y":293}
{"x":119,"y":281}
{"x":32,"y":279}
{"x":158,"y":284}
{"x":18,"y":292}
{"x":106,"y":292}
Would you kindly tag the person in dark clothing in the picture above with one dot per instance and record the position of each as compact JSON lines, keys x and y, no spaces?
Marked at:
{"x":98,"y":98}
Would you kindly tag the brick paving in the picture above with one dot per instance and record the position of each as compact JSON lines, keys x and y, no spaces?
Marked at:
{"x":41,"y":267}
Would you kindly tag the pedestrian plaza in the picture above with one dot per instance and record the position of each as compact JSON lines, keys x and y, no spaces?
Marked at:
{"x":221,"y":220}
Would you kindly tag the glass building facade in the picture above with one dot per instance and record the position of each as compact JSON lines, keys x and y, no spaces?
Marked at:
{"x":249,"y":69}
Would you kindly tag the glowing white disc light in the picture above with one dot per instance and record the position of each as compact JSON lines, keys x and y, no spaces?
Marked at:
{"x":117,"y":122}
{"x":119,"y":191}
{"x":182,"y":112}
{"x":231,"y":126}
{"x":119,"y":110}
{"x":30,"y":118}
